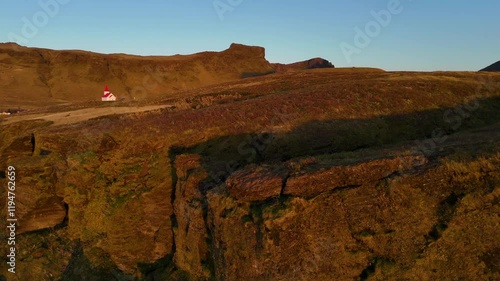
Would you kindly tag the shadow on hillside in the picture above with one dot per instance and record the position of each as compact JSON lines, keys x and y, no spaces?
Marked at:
{"x":222,"y":156}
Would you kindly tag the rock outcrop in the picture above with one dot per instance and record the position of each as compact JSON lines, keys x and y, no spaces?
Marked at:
{"x":303,"y":65}
{"x":44,"y":214}
{"x":492,"y":68}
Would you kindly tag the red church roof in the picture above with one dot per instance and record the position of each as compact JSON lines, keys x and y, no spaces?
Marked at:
{"x":107,"y":93}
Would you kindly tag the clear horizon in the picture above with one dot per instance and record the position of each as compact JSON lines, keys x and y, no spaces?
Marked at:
{"x":418,"y":35}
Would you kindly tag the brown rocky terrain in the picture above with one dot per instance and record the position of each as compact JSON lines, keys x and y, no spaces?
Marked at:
{"x":324,"y":174}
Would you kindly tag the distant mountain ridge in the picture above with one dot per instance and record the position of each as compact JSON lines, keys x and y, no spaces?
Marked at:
{"x":492,"y":68}
{"x":303,"y":65}
{"x":31,"y":77}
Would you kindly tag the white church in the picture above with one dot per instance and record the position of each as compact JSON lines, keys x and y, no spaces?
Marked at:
{"x":108,"y":96}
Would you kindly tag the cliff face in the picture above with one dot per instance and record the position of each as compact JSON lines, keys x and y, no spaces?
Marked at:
{"x":387,"y":227}
{"x":32,"y":77}
{"x":293,"y":185}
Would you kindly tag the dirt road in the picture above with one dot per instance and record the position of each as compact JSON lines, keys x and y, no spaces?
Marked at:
{"x":70,"y":117}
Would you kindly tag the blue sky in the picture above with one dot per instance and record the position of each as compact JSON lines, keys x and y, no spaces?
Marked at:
{"x":420,"y":35}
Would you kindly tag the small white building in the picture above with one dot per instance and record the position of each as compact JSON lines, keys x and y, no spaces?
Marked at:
{"x":108,"y":96}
